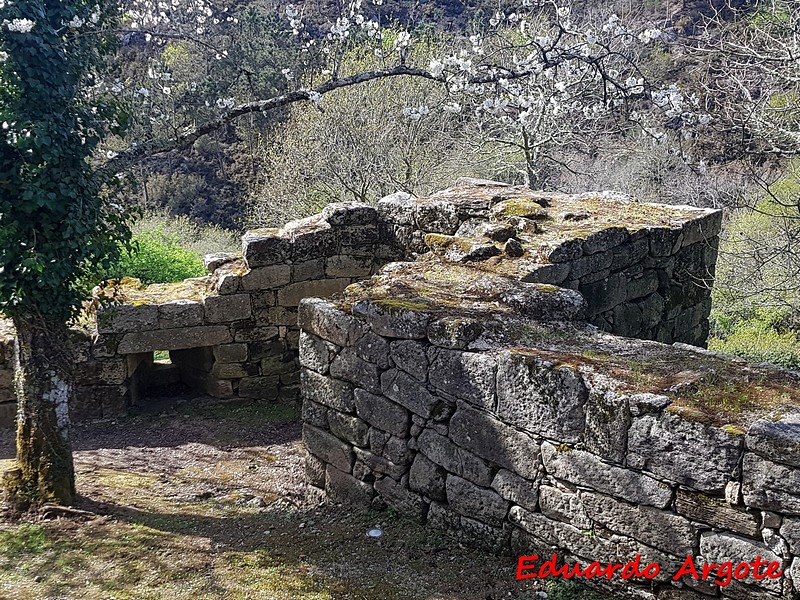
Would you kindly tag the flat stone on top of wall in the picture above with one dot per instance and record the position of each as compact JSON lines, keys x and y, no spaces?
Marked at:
{"x":264,"y":248}
{"x":328,"y":322}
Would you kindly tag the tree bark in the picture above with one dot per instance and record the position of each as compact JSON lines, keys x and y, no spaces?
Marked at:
{"x":44,"y":471}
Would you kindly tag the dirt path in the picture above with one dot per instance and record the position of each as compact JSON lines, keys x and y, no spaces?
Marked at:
{"x":209,"y":503}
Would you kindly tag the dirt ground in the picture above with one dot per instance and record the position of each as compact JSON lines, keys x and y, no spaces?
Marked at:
{"x":208,"y":501}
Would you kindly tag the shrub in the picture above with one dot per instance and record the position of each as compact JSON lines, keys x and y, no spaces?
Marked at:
{"x":757,"y":340}
{"x":157,"y":257}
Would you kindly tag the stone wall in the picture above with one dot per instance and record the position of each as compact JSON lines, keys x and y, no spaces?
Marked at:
{"x":234,"y":333}
{"x":534,"y":437}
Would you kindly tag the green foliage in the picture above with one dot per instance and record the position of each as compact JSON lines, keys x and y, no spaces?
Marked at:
{"x":27,"y":538}
{"x":54,"y":217}
{"x":758,"y":338}
{"x":189,"y":233}
{"x":156,"y":256}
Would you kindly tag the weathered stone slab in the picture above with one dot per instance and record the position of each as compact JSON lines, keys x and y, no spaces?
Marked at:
{"x":777,"y":440}
{"x":374,"y":349}
{"x":123,"y":318}
{"x":394,"y":320}
{"x":230,"y":353}
{"x":582,"y":468}
{"x":382,"y":413}
{"x":535,"y":396}
{"x":349,"y":428}
{"x":398,"y":386}
{"x":564,"y":506}
{"x":437,"y":217}
{"x":380,"y":464}
{"x":398,"y":208}
{"x":516,"y":489}
{"x":657,"y":528}
{"x":224,"y":309}
{"x":349,"y":213}
{"x":428,"y":478}
{"x":607,"y":420}
{"x":771,"y":486}
{"x":398,"y":496}
{"x":466,"y":375}
{"x":262,"y":248}
{"x":348,"y":266}
{"x":259,"y":387}
{"x":454,"y":332}
{"x":476,"y":502}
{"x":342,"y":487}
{"x":495,"y":441}
{"x":266,"y":278}
{"x":292,"y":294}
{"x":328,"y":322}
{"x":328,"y":448}
{"x":605,"y":294}
{"x":174,"y":339}
{"x":721,"y":547}
{"x":445,"y":453}
{"x":180,"y":313}
{"x":605,"y":239}
{"x":411,"y":357}
{"x":693,"y":453}
{"x":328,"y":391}
{"x":716,"y":512}
{"x":350,"y":367}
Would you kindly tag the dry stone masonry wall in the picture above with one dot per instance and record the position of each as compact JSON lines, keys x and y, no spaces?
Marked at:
{"x":552,"y":437}
{"x":643,"y":269}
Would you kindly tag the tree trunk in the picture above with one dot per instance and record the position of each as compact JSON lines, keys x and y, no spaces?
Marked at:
{"x":43,"y":381}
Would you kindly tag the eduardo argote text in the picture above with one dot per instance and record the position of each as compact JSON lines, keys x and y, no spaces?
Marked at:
{"x":532,"y":567}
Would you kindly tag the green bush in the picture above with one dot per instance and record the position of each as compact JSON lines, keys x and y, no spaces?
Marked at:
{"x":758,"y":340}
{"x":157,"y":257}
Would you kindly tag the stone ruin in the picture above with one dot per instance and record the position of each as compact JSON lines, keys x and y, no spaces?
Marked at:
{"x":522,"y":369}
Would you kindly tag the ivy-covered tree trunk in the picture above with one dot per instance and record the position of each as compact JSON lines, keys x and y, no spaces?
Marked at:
{"x":44,"y":471}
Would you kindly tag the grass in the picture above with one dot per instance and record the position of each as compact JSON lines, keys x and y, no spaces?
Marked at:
{"x":174,"y":521}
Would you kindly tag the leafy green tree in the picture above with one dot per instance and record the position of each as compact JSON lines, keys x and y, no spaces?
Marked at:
{"x":54,"y":218}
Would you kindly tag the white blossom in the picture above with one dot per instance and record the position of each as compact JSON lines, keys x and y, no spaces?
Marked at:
{"x":648,"y":35}
{"x":494,"y":106}
{"x":436,"y":67}
{"x":452,"y":107}
{"x":75,"y":22}
{"x":19,"y":25}
{"x":415,"y":113}
{"x":3,"y":56}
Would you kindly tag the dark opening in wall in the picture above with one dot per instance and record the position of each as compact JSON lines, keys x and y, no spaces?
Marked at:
{"x":170,"y":374}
